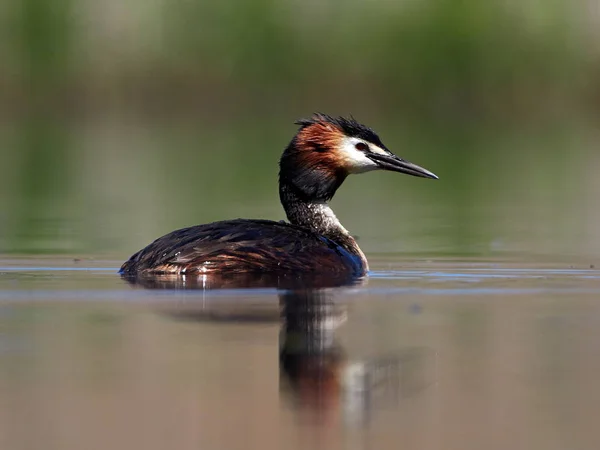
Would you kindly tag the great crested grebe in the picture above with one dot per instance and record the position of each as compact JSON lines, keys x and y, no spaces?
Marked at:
{"x":324,"y":151}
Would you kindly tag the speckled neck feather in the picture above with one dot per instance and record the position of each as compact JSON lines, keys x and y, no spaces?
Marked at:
{"x":317,"y":216}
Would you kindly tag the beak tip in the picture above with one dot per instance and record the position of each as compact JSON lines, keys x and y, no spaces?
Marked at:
{"x":427,"y":174}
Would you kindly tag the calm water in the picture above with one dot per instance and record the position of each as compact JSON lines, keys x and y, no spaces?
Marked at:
{"x":423,"y":355}
{"x":122,"y":124}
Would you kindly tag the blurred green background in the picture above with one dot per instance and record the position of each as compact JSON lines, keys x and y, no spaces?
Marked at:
{"x":121,"y":121}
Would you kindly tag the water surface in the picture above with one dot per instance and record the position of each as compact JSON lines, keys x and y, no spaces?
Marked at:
{"x":423,"y":354}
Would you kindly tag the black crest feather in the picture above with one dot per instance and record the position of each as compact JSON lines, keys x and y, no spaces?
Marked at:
{"x":349,"y":127}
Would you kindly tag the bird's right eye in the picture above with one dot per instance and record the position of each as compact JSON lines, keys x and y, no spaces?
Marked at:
{"x":361,"y":146}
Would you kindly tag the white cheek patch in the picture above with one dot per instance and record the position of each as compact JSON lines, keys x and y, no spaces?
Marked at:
{"x":355,"y":160}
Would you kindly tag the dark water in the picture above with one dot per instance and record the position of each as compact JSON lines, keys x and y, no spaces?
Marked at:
{"x":422,"y":355}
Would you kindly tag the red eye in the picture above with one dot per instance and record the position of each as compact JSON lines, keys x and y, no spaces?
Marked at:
{"x":361,"y":146}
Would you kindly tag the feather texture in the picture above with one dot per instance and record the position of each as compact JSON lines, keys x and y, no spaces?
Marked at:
{"x":242,"y":245}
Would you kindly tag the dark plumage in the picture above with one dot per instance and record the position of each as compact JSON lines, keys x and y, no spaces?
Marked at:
{"x":242,"y":245}
{"x":349,"y":127}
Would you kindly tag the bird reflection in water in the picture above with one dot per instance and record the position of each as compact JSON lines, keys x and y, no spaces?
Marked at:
{"x":317,"y":373}
{"x":310,"y":358}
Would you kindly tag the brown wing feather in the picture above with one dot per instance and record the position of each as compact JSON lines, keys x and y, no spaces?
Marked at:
{"x":241,"y":246}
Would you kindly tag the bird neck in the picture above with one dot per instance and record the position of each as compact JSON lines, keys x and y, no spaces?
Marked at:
{"x":317,"y":216}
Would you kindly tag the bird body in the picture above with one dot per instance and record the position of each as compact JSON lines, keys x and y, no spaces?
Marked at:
{"x":242,"y":245}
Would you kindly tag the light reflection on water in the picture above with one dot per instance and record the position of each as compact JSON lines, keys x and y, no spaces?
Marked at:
{"x":427,"y":355}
